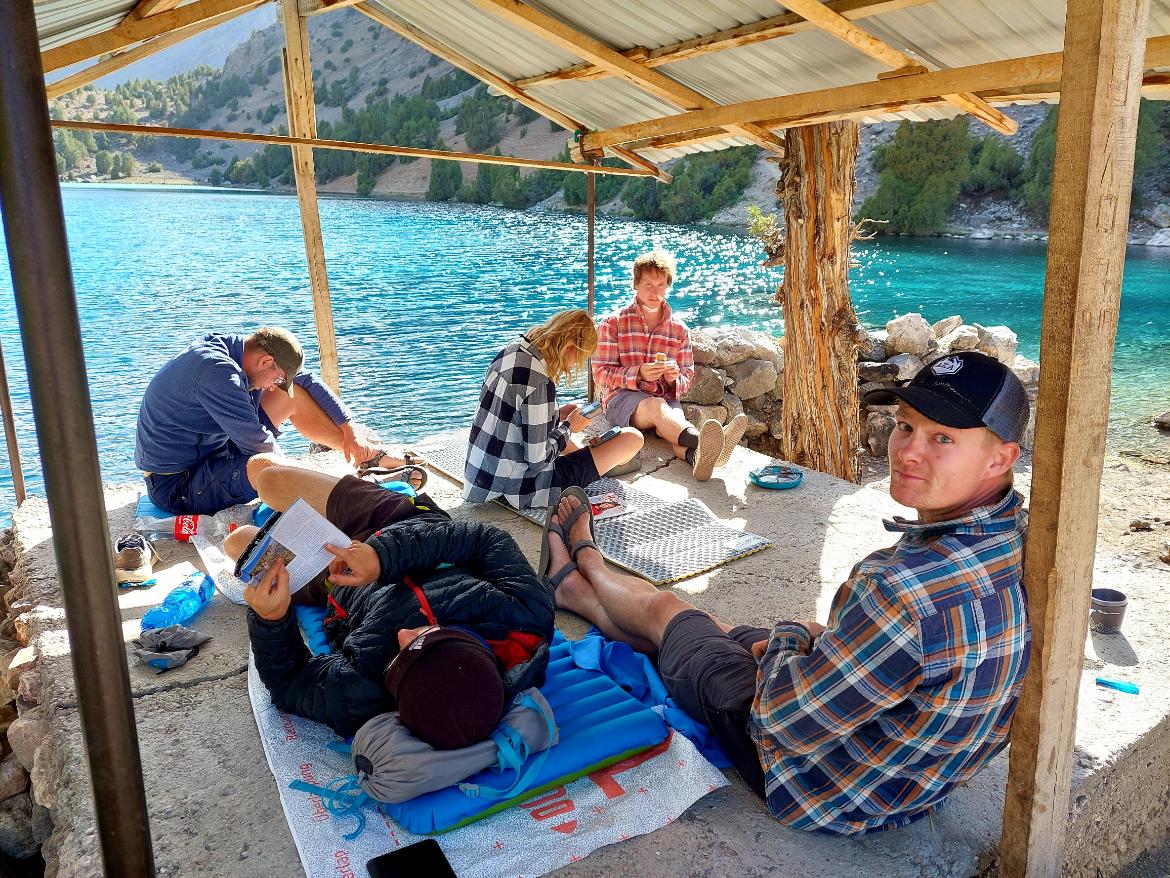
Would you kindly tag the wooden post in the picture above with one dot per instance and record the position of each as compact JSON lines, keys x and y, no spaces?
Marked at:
{"x":591,"y":189}
{"x":820,"y":421}
{"x":10,"y":434}
{"x":302,"y":122}
{"x":1095,"y":136}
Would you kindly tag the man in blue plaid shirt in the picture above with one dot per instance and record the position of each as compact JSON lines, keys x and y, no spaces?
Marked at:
{"x":869,"y":721}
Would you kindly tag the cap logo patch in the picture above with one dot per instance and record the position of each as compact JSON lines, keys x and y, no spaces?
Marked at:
{"x":947,"y":366}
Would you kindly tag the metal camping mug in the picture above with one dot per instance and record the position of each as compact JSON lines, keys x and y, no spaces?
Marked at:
{"x":1107,"y":610}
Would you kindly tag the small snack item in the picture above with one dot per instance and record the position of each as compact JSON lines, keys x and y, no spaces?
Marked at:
{"x":660,"y":359}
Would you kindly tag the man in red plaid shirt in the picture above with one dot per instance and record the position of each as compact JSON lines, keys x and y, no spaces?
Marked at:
{"x":644,"y":366}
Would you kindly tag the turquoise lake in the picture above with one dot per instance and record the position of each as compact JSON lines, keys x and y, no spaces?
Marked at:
{"x":424,"y":296}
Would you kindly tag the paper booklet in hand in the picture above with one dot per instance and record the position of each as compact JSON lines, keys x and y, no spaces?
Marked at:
{"x":297,"y":535}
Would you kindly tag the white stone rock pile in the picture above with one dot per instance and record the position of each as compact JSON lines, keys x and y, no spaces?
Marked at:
{"x":893,"y":356}
{"x":742,"y":370}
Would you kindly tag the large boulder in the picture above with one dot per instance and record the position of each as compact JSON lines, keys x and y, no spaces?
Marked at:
{"x":752,"y":377}
{"x":873,"y":347}
{"x":961,"y":338}
{"x":707,"y":388}
{"x":755,"y":427}
{"x":878,"y":429}
{"x":733,"y":404}
{"x":700,"y":414}
{"x":16,"y":834}
{"x":878,"y":371}
{"x":703,"y":347}
{"x":1162,"y":422}
{"x":907,"y":365}
{"x":946,"y":325}
{"x":1026,"y":370}
{"x":26,"y":733}
{"x":1160,"y":238}
{"x":13,"y":777}
{"x":909,"y":334}
{"x":732,"y":347}
{"x":1159,"y":215}
{"x":999,"y":342}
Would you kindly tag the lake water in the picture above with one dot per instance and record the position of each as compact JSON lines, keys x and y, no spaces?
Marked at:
{"x":425,"y":295}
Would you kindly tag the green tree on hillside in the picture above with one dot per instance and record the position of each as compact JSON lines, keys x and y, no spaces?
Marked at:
{"x":102,"y":161}
{"x":996,"y":167}
{"x":920,"y":173}
{"x":446,"y":179}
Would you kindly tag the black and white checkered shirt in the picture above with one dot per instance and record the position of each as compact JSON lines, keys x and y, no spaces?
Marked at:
{"x":517,"y":433}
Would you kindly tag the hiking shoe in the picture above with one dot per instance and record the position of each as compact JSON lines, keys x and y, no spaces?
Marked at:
{"x":134,"y":559}
{"x":732,"y":433}
{"x":710,"y":446}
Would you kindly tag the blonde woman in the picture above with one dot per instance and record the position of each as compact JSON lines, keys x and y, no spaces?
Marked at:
{"x":521,"y":446}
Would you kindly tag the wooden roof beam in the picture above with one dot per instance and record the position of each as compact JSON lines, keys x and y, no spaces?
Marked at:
{"x":570,"y":39}
{"x":147,"y":8}
{"x":125,"y":58}
{"x":745,"y":34}
{"x":995,"y":76}
{"x":420,"y":38}
{"x":843,"y":29}
{"x":128,"y":33}
{"x":350,"y":146}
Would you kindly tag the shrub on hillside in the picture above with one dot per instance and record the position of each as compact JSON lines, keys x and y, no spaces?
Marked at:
{"x":920,"y":173}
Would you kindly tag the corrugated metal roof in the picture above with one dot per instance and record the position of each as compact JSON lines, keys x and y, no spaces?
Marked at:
{"x":942,"y":33}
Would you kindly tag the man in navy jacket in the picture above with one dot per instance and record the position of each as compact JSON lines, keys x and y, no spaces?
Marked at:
{"x":211,"y":409}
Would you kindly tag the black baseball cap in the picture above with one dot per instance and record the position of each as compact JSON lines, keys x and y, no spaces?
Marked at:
{"x":965,"y":390}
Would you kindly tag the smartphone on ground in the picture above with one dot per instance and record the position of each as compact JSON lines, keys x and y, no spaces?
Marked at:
{"x":605,"y":437}
{"x":413,"y":861}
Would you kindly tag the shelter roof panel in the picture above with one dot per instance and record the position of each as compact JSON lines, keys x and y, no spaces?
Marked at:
{"x":63,"y":21}
{"x":482,"y":37}
{"x":619,"y":103}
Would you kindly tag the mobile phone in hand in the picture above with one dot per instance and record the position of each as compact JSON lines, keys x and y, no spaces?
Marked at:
{"x":588,"y":411}
{"x":413,"y":861}
{"x":605,"y":437}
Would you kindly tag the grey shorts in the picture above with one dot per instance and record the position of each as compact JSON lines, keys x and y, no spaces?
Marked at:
{"x":621,"y":407}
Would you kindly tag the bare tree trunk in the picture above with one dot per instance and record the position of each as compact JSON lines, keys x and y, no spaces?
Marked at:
{"x":820,"y":419}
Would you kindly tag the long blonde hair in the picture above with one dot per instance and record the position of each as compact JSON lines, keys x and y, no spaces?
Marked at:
{"x":555,"y":336}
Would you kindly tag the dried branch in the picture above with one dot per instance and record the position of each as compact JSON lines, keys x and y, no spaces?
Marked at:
{"x":860,"y":231}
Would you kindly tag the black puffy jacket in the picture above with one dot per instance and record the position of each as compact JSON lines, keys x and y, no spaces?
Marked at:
{"x":490,"y":588}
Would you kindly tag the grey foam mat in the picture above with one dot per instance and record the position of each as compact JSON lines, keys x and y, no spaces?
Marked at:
{"x":661,"y":540}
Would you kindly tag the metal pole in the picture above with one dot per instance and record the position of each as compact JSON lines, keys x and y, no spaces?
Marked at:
{"x":10,"y":433}
{"x":51,"y":334}
{"x":592,"y":202}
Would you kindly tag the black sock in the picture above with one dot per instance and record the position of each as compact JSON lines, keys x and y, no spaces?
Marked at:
{"x":688,"y":438}
{"x":690,"y":456}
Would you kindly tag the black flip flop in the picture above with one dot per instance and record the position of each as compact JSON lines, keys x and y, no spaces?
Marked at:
{"x":586,"y":508}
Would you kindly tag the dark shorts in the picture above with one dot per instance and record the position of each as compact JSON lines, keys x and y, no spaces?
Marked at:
{"x":214,"y":483}
{"x":621,"y":408}
{"x":712,"y":676}
{"x":361,"y":509}
{"x":575,"y":468}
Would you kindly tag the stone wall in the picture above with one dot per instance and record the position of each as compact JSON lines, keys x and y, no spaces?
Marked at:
{"x":24,"y":824}
{"x":742,"y":370}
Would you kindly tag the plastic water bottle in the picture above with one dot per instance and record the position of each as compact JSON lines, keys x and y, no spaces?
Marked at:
{"x":185,"y":600}
{"x":181,"y":527}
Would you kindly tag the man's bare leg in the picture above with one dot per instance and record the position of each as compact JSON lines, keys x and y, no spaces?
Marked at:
{"x":302,"y":411}
{"x":667,"y":421}
{"x":280,"y":486}
{"x":624,"y":607}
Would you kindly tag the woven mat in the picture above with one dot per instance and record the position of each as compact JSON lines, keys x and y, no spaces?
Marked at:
{"x":662,"y":540}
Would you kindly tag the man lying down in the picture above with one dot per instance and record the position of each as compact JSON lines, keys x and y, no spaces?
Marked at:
{"x":448,"y":647}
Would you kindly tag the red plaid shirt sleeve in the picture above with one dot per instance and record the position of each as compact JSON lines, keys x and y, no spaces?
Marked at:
{"x":608,"y":371}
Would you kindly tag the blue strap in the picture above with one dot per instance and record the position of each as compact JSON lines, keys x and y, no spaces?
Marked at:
{"x":344,"y":747}
{"x":343,"y":796}
{"x":513,"y":752}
